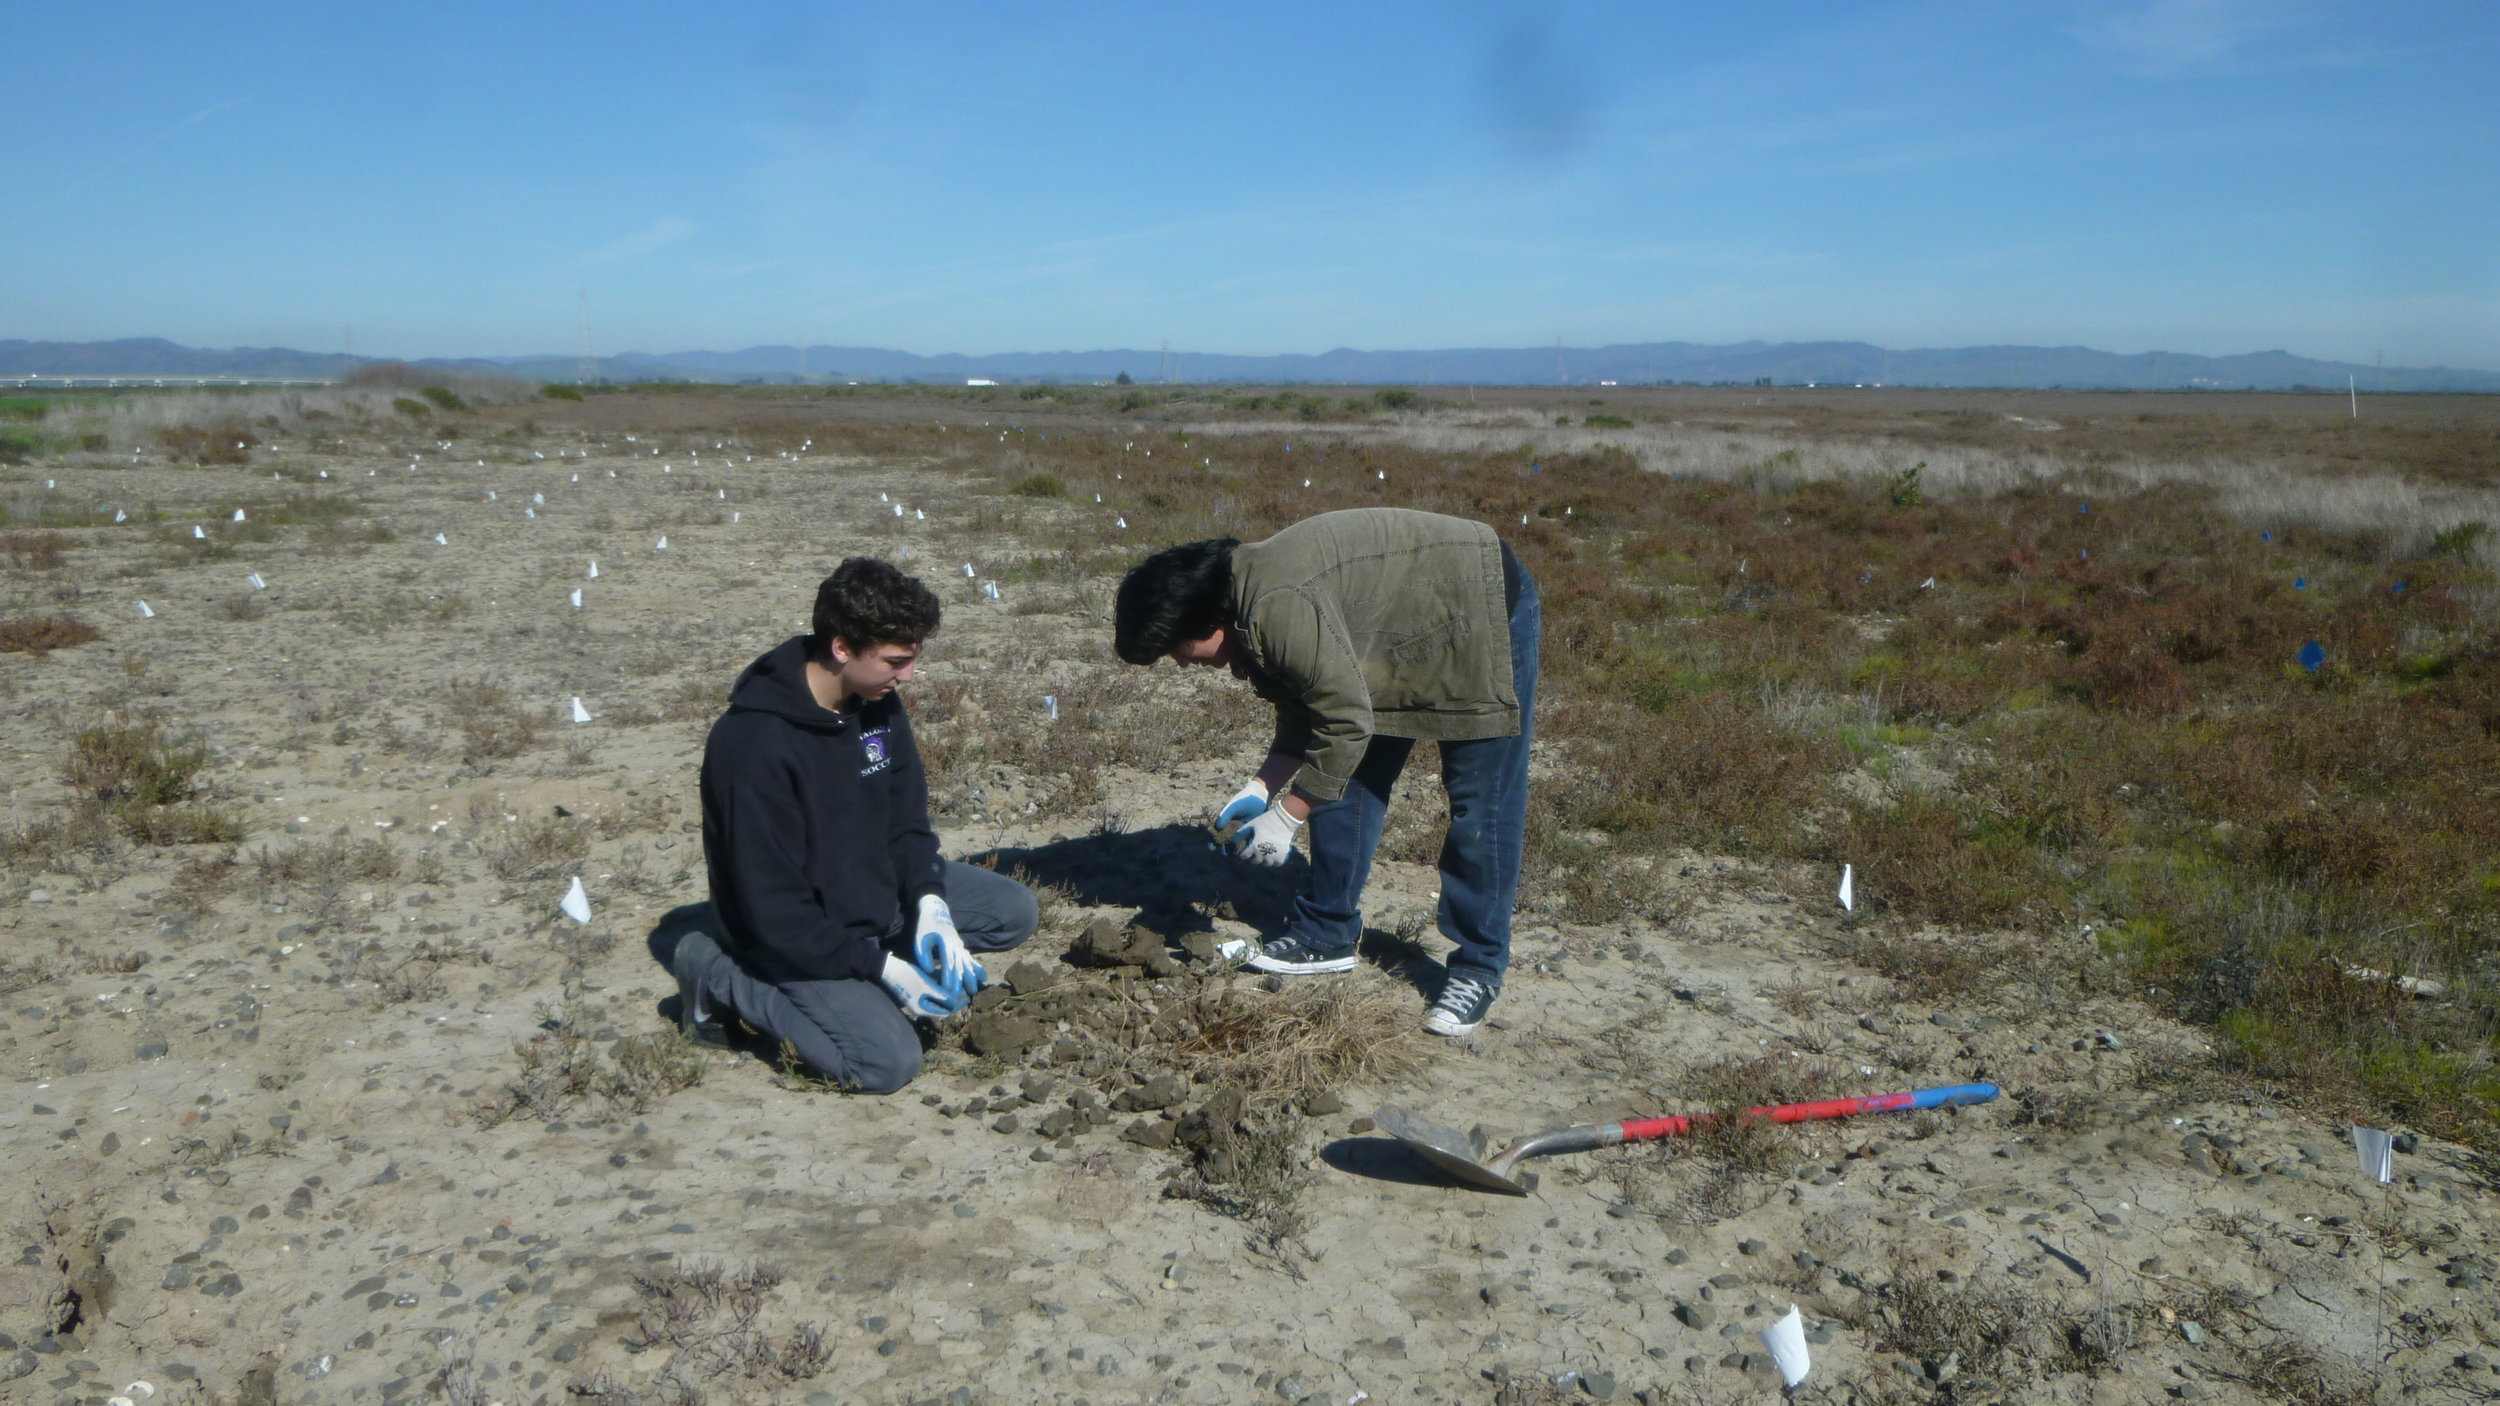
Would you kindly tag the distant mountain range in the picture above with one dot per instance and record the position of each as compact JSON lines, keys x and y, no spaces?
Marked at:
{"x":1743,"y":363}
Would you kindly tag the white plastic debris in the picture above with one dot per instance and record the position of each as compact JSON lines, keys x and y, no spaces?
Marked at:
{"x":1927,"y":585}
{"x":1848,"y":889}
{"x":2378,"y":1153}
{"x":140,"y":1390}
{"x":580,"y":713}
{"x":144,"y":612}
{"x":577,"y":597}
{"x":490,"y":495}
{"x":529,"y":512}
{"x":1786,"y":1342}
{"x":257,"y":583}
{"x":576,"y":903}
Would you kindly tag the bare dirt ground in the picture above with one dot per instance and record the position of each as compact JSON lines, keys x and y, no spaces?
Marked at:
{"x":359,"y":1117}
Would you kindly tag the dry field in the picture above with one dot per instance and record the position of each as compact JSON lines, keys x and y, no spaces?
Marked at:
{"x":315,"y":1097}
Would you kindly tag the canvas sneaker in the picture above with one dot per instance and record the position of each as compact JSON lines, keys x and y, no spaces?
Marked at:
{"x":1292,"y":956}
{"x":1462,"y":1005}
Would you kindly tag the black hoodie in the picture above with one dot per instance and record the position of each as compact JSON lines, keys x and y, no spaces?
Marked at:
{"x":815,"y":825}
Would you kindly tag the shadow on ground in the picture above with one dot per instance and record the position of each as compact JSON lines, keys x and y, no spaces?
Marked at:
{"x":1171,"y":875}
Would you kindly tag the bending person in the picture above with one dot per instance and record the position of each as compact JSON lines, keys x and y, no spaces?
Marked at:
{"x":1369,"y":630}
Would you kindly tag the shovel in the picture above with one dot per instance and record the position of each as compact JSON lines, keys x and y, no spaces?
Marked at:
{"x":1464,"y":1155}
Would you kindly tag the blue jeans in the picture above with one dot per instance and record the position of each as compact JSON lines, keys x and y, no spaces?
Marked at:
{"x":1487,"y":784}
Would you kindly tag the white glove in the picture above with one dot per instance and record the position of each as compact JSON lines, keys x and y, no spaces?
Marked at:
{"x":1246,"y":805}
{"x":1268,"y":839}
{"x":914,"y":994}
{"x":940,"y":953}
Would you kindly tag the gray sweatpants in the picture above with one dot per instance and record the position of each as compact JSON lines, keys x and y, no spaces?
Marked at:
{"x":851,"y":1032}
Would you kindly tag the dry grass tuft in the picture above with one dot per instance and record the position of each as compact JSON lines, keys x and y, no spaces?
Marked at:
{"x":40,"y":634}
{"x":1309,"y":1037}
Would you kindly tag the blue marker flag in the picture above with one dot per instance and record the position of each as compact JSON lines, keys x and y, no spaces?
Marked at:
{"x":2265,"y":536}
{"x":2398,"y":588}
{"x":2083,"y":507}
{"x":2300,"y":583}
{"x":2312,"y":655}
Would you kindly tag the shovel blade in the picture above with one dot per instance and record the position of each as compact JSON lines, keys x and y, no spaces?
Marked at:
{"x":1457,"y":1153}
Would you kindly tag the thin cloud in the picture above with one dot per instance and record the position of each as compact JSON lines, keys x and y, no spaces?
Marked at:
{"x":659,"y":235}
{"x":100,"y":172}
{"x":2164,"y":38}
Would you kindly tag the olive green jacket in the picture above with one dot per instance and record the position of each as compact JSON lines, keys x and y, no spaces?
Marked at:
{"x":1374,"y":621}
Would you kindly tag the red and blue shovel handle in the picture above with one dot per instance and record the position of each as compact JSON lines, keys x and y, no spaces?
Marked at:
{"x":1645,"y":1129}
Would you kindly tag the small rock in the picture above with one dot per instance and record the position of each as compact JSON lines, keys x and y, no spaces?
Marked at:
{"x":1324,"y":1103}
{"x":1007,"y":1123}
{"x":1696,"y":1315}
{"x":999,"y":1035}
{"x":153,"y":1049}
{"x":2193,"y":1331}
{"x":1598,"y":1384}
{"x":1152,"y":1133}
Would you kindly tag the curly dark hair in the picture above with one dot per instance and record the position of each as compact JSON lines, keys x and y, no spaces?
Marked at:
{"x":1179,"y":593}
{"x":870,"y":602}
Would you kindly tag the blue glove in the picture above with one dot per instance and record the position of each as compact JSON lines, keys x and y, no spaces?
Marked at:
{"x":939,"y":951}
{"x":1267,"y":840}
{"x":1247,"y":804}
{"x":914,"y":993}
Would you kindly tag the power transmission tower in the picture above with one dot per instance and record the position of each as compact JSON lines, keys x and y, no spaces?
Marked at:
{"x":585,"y":365}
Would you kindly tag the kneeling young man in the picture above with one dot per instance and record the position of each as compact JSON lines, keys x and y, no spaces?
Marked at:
{"x":1369,"y":630}
{"x":836,"y":923}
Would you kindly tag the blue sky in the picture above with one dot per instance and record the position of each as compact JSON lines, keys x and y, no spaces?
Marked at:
{"x":2187,"y":175}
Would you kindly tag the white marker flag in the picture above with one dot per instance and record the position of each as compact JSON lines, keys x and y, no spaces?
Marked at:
{"x":898,"y":510}
{"x":257,"y":583}
{"x":1927,"y":585}
{"x":238,"y":515}
{"x":529,"y":512}
{"x":1786,"y":1342}
{"x":968,"y":572}
{"x":1050,"y":705}
{"x":144,"y":612}
{"x":577,"y":597}
{"x":1848,"y":889}
{"x":662,"y":544}
{"x":594,"y":572}
{"x":919,"y":516}
{"x":199,"y":532}
{"x":490,"y":495}
{"x":990,"y":589}
{"x":723,"y":492}
{"x":120,"y":516}
{"x":441,"y":541}
{"x":2377,"y":1149}
{"x":580,"y":713}
{"x":576,"y":903}
{"x":1119,"y":522}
